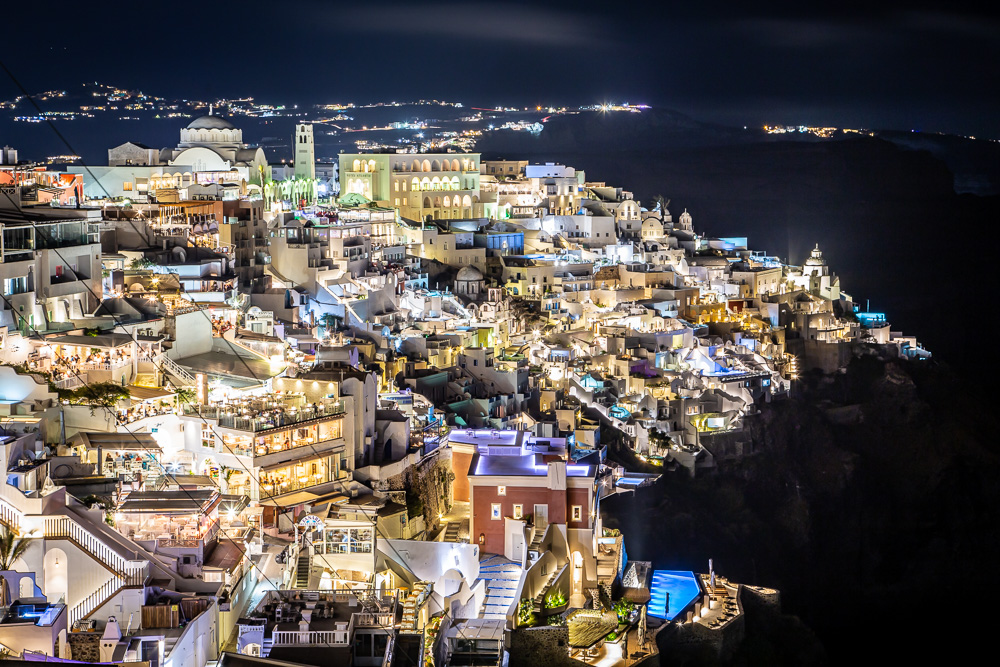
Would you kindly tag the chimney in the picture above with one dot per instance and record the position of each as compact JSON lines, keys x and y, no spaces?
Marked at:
{"x":109,"y":640}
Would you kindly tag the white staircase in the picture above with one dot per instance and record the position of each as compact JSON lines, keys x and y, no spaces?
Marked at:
{"x":125,"y":572}
{"x":502,"y":577}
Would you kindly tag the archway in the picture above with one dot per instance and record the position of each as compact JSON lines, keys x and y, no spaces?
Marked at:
{"x":56,"y":580}
{"x":577,"y":573}
{"x":26,"y":588}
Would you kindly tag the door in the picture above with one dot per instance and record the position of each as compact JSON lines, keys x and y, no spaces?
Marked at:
{"x":541,"y":515}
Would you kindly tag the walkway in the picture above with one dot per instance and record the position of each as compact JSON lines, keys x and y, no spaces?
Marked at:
{"x":456,"y":523}
{"x":502,"y":577}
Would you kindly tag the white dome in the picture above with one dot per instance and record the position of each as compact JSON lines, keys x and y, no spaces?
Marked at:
{"x":469,"y":273}
{"x":210,"y":123}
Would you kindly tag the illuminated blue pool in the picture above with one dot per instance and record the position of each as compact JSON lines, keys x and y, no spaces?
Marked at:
{"x":671,"y":591}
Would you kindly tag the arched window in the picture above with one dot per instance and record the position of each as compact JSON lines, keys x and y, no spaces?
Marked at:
{"x":415,"y":185}
{"x":455,"y":165}
{"x":437,"y":202}
{"x":447,"y":201}
{"x":435,"y":166}
{"x":371,"y":165}
{"x":455,"y":185}
{"x":427,"y":202}
{"x":435,"y":183}
{"x":425,"y":165}
{"x":357,"y":165}
{"x":425,"y":183}
{"x":415,"y":166}
{"x":467,"y":201}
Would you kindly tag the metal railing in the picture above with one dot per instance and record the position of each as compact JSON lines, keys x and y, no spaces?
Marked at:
{"x":244,"y":423}
{"x":174,"y":368}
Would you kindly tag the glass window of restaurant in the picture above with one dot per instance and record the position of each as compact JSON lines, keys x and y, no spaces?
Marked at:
{"x":302,"y":436}
{"x":346,"y":541}
{"x":301,"y":475}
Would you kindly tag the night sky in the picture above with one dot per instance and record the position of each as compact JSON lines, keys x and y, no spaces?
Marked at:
{"x":916,"y":66}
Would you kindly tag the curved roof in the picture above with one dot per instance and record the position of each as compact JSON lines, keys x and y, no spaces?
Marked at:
{"x":469,"y":273}
{"x":210,"y":123}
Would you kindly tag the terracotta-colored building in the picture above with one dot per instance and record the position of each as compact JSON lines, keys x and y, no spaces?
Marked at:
{"x":516,"y":479}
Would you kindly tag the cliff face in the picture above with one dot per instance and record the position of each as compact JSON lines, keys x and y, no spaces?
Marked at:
{"x":870,"y":501}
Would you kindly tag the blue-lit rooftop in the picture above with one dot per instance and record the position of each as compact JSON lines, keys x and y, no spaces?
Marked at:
{"x":525,"y":465}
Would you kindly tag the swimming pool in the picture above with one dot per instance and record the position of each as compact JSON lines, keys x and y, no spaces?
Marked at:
{"x":671,"y":591}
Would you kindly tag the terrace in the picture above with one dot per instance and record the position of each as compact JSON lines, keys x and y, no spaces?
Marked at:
{"x":263,"y":414}
{"x":303,"y":618}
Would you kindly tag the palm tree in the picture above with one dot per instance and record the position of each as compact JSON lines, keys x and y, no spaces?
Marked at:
{"x":12,"y":547}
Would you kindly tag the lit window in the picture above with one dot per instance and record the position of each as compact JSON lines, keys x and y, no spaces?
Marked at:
{"x":577,"y":513}
{"x":518,"y":511}
{"x":127,"y":186}
{"x":496,"y":512}
{"x":501,"y":490}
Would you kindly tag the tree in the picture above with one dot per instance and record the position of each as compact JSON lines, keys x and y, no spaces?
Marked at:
{"x":98,"y":395}
{"x":12,"y":547}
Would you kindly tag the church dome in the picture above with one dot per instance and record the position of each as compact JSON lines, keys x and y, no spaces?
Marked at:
{"x":816,"y":257}
{"x":469,"y":273}
{"x":210,"y":123}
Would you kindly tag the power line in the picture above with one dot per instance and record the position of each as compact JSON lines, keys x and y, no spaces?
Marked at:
{"x":119,"y":324}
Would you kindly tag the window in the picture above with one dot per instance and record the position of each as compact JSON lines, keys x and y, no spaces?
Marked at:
{"x":127,"y":186}
{"x":501,"y":490}
{"x":496,"y":512}
{"x":577,"y":513}
{"x":518,"y":511}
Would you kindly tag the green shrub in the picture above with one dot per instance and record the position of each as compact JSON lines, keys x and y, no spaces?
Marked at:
{"x":555,"y":598}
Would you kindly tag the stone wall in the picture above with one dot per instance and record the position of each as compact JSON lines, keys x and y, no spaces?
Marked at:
{"x":541,"y":646}
{"x":85,"y":646}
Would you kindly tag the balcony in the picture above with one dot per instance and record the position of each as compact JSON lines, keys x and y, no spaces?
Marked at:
{"x":271,"y":417}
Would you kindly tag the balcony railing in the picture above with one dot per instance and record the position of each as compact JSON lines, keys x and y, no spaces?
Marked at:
{"x":227,"y":419}
{"x":310,"y":638}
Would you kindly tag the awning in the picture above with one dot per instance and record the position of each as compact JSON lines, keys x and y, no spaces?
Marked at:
{"x":148,"y":393}
{"x":289,"y":499}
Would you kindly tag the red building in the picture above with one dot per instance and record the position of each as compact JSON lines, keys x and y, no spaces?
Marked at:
{"x":516,"y":481}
